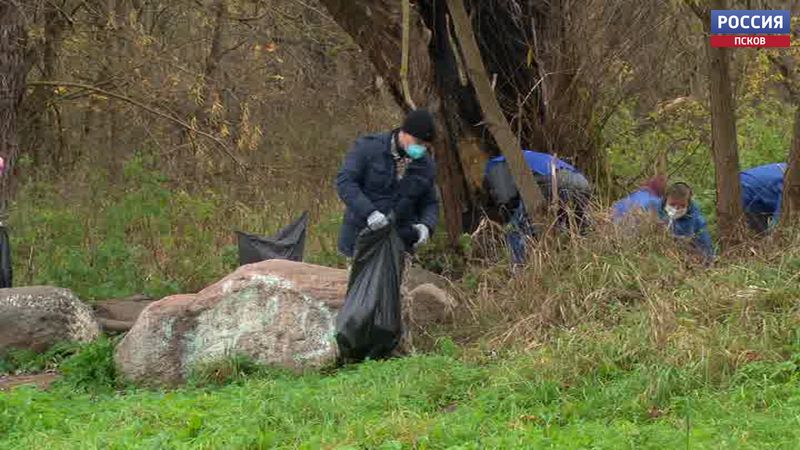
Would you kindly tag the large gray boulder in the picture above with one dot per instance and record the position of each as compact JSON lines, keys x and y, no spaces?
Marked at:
{"x":36,"y":317}
{"x":280,"y":313}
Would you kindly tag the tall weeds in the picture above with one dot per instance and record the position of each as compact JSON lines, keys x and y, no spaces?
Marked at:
{"x":636,"y":296}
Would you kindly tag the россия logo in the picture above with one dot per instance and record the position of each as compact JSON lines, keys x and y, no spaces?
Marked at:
{"x":750,"y":28}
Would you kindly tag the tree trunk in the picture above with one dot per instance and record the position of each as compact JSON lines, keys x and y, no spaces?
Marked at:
{"x":493,"y":115}
{"x":789,"y":67}
{"x":723,"y":142}
{"x":40,"y":132}
{"x":790,"y":208}
{"x":213,"y":60}
{"x":13,"y":70}
{"x":376,"y":26}
{"x":119,"y":48}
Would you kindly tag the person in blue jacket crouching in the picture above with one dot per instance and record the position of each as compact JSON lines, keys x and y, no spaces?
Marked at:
{"x":573,"y":190}
{"x":762,"y":191}
{"x":685,"y":220}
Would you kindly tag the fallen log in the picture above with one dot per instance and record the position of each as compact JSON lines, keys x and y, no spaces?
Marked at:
{"x":114,"y":326}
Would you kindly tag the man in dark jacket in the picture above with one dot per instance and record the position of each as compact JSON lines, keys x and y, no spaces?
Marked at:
{"x":372,"y":183}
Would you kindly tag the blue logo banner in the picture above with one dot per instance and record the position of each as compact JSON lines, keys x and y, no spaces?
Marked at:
{"x":750,"y":21}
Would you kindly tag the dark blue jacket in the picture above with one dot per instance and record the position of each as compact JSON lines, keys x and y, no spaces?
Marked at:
{"x":693,"y":226}
{"x":762,"y":189}
{"x":642,"y":199}
{"x":367,"y":181}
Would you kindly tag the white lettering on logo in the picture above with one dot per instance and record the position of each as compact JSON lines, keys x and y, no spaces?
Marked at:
{"x":749,"y":41}
{"x":750,"y":22}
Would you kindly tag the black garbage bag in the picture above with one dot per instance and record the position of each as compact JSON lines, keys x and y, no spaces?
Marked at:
{"x":288,"y":243}
{"x":370,"y":324}
{"x":5,"y":258}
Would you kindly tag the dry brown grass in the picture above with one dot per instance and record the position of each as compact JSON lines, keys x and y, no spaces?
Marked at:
{"x":638,"y":292}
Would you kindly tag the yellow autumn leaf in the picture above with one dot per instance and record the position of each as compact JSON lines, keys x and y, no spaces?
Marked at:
{"x":216,"y":108}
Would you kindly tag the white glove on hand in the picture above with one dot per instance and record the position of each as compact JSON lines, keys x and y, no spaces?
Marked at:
{"x":377,"y":220}
{"x":423,"y":233}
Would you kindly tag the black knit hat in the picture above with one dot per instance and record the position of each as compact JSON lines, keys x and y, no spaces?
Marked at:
{"x":419,"y":123}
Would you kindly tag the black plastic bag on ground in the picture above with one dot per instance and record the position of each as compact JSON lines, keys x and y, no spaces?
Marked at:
{"x":370,"y":323}
{"x":5,"y":258}
{"x":289,"y":243}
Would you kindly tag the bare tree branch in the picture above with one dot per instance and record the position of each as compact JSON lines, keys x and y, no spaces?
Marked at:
{"x":223,"y":146}
{"x":699,"y":11}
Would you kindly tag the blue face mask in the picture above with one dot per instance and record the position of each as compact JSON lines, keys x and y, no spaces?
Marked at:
{"x":415,"y":151}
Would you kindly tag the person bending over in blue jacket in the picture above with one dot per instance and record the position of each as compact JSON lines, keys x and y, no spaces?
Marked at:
{"x":685,"y":220}
{"x":762,"y":191}
{"x":574,"y":193}
{"x":372,"y":183}
{"x":574,"y":190}
{"x":648,"y":199}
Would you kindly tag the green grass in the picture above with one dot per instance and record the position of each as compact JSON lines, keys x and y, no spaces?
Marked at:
{"x":144,"y":233}
{"x":28,"y":361}
{"x":618,"y":343}
{"x":433,"y":401}
{"x":92,"y":368}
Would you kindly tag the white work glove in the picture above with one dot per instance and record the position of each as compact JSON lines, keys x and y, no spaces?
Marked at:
{"x":423,"y":233}
{"x":377,"y":220}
